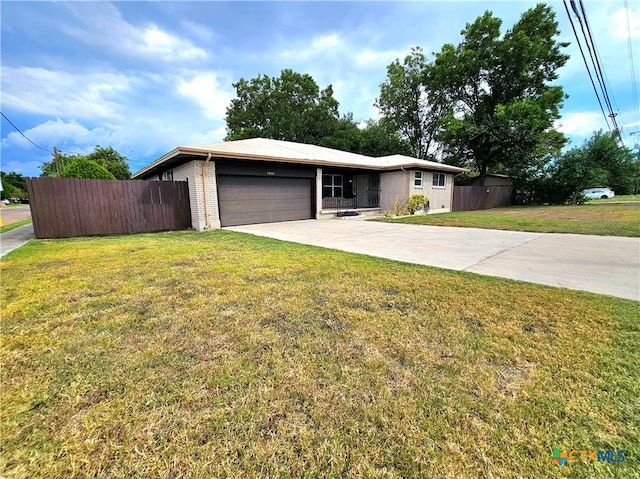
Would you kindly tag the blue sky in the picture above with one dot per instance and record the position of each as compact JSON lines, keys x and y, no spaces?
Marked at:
{"x":145,"y":77}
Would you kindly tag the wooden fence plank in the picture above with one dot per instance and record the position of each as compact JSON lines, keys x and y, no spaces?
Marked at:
{"x":470,"y":198}
{"x":66,"y":207}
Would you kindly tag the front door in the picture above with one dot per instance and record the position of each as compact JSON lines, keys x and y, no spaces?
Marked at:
{"x":367,"y":190}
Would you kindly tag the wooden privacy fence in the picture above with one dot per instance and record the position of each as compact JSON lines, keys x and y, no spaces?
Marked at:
{"x":67,"y":207}
{"x":469,"y":198}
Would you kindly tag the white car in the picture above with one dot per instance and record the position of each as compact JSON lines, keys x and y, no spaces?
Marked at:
{"x":598,"y":193}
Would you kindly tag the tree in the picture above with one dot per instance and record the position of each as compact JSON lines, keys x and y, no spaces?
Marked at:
{"x":381,"y":139}
{"x":345,"y":136}
{"x":112,"y":161}
{"x":405,"y":103}
{"x":600,"y":161}
{"x":80,"y":167}
{"x":291,"y":107}
{"x":108,"y":158}
{"x":14,"y":185}
{"x":501,"y":107}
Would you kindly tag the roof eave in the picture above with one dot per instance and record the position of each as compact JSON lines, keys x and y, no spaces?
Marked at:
{"x":182,"y":150}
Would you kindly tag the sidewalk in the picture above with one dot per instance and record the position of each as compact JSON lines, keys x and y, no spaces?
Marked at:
{"x":15,"y":238}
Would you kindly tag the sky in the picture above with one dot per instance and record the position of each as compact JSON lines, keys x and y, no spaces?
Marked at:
{"x":146,"y":77}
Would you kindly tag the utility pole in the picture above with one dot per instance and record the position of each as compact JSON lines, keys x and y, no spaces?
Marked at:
{"x":55,"y":157}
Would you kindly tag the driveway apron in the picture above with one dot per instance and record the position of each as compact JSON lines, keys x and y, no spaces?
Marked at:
{"x":598,"y":264}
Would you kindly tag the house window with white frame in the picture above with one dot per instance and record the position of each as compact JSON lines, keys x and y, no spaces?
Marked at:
{"x":332,"y":186}
{"x":417,"y":179}
{"x":167,"y":175}
{"x":439,"y":180}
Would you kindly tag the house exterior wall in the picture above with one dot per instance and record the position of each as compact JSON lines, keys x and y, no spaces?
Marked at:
{"x":400,"y":184}
{"x":192,"y":172}
{"x":393,"y":185}
{"x":440,"y":198}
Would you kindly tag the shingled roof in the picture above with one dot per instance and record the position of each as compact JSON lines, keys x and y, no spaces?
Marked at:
{"x":263,"y":149}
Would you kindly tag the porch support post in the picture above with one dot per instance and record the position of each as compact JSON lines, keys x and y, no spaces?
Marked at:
{"x":318,"y":192}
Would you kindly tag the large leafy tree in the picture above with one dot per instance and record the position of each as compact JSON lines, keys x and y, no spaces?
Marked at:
{"x":14,"y":185}
{"x":376,"y":138}
{"x":290,"y":107}
{"x":108,"y":158}
{"x":381,"y":139}
{"x":600,"y":161}
{"x":500,"y":102}
{"x":405,"y":104}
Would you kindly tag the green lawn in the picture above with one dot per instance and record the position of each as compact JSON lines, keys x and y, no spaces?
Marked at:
{"x":594,"y":218}
{"x":14,"y":225}
{"x":225,"y":355}
{"x":617,"y":199}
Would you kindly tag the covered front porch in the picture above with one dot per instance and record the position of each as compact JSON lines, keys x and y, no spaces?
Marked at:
{"x":349,"y":190}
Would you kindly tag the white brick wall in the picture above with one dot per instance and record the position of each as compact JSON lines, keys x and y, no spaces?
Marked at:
{"x":192,"y":172}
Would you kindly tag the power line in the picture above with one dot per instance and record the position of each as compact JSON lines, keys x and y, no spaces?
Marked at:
{"x":634,"y":87}
{"x":18,"y":130}
{"x":48,"y":151}
{"x":586,"y":64}
{"x":581,"y":16}
{"x":599,"y":71}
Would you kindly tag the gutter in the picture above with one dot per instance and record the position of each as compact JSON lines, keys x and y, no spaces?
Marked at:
{"x":207,"y":220}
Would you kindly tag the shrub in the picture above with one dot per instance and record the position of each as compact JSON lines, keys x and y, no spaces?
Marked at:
{"x":416,"y":203}
{"x":408,"y":206}
{"x":82,"y":168}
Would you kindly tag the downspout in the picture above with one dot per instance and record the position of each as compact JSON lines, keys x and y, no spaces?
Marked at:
{"x":207,"y":220}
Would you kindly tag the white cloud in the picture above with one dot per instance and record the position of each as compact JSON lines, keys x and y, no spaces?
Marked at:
{"x":204,"y":89}
{"x":104,"y":26}
{"x":624,"y":27}
{"x":369,"y":58}
{"x":325,"y":42}
{"x":57,"y":93}
{"x":61,"y":134}
{"x":580,"y":123}
{"x":321,"y":45}
{"x":333,"y":46}
{"x":158,"y":43}
{"x":200,"y":31}
{"x":141,"y":138}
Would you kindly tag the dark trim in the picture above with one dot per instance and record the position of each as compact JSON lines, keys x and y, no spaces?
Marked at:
{"x":255,"y":168}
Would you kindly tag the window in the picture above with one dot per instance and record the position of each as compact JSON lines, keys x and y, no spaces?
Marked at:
{"x":167,"y":175}
{"x":417,"y":179}
{"x":332,"y":186}
{"x":439,"y":180}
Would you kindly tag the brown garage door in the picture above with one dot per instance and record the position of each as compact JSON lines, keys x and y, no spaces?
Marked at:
{"x":248,"y":199}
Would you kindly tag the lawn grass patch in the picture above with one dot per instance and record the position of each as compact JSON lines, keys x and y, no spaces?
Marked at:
{"x":617,"y":199}
{"x":14,"y":225}
{"x":227,"y":355}
{"x":595,"y":218}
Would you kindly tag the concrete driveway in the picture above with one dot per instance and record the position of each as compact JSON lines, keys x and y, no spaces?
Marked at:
{"x":599,"y":264}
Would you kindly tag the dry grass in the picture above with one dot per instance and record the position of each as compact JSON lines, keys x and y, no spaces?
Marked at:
{"x":226,"y":355}
{"x":598,"y":218}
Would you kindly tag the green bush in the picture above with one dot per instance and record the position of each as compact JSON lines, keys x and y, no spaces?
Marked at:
{"x":416,"y":203}
{"x":82,"y":168}
{"x":408,"y":205}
